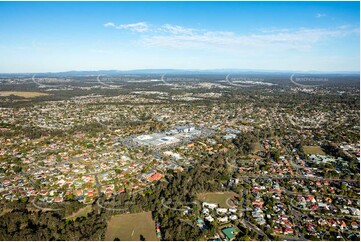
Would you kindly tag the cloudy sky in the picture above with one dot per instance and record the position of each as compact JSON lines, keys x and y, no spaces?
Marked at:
{"x":62,"y":36}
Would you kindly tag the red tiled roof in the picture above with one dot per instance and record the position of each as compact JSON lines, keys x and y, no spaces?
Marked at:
{"x":156,"y":176}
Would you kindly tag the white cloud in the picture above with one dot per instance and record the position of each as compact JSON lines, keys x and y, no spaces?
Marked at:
{"x":139,"y":27}
{"x":274,"y":30}
{"x":175,"y":29}
{"x":304,"y":38}
{"x":109,"y":24}
{"x":136,"y":27}
{"x":321,"y":15}
{"x":179,"y":37}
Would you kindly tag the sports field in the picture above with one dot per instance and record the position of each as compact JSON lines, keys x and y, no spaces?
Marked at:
{"x":217,"y":197}
{"x":317,"y":150}
{"x":25,"y":94}
{"x":131,"y":227}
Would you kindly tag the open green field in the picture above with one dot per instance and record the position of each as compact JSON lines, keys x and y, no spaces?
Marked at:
{"x":25,"y":94}
{"x":217,"y":197}
{"x":317,"y":150}
{"x":131,"y":227}
{"x":81,"y":212}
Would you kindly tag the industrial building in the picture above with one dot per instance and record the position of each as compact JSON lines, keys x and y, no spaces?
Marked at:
{"x":156,"y":139}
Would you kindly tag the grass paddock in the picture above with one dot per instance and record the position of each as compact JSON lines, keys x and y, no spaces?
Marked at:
{"x":217,"y":197}
{"x":317,"y":150}
{"x":131,"y":227}
{"x":25,"y":94}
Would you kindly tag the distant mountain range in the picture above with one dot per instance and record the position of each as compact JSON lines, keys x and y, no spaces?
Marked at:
{"x":177,"y":71}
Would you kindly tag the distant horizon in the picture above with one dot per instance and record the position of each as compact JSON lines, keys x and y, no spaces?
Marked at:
{"x":38,"y":37}
{"x":217,"y":70}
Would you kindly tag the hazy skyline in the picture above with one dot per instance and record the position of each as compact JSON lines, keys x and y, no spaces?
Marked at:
{"x":62,"y":36}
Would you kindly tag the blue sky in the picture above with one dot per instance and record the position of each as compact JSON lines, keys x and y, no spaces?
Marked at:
{"x":61,"y":36}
